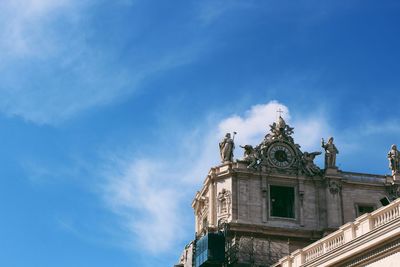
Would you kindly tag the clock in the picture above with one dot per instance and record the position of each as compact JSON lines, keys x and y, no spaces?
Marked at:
{"x":281,"y":155}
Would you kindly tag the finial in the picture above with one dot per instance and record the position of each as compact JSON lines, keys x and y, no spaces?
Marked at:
{"x":280,"y":111}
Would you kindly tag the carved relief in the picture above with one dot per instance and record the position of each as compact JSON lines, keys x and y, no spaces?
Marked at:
{"x":280,"y":154}
{"x":301,"y":197}
{"x":334,"y":187}
{"x":204,"y":204}
{"x":224,"y":203}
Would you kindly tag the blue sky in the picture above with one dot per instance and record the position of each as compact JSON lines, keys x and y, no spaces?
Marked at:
{"x":111,"y":111}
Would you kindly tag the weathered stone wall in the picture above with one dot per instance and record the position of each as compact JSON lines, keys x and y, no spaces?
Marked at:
{"x":256,"y":251}
{"x":353,"y":194}
{"x":320,"y":204}
{"x":249,"y":200}
{"x":310,"y":206}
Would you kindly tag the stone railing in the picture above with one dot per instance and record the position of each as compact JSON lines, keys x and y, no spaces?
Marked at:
{"x":345,"y":234}
{"x":383,"y":216}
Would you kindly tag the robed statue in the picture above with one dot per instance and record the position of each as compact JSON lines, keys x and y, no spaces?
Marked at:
{"x":226,"y":147}
{"x":330,"y":153}
{"x":394,"y":159}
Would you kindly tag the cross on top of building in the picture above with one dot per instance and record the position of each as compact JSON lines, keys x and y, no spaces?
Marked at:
{"x":279,"y":111}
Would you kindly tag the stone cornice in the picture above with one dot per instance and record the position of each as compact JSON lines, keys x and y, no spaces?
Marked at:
{"x":263,"y":230}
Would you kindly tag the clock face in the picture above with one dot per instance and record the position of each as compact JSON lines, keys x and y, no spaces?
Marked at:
{"x":281,"y":155}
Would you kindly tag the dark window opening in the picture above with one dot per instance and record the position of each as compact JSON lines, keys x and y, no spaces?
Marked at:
{"x":362,"y":209}
{"x":282,"y":201}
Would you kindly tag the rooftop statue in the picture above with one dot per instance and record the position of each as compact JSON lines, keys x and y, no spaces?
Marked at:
{"x":330,"y":153}
{"x":226,"y":147}
{"x":251,"y":156}
{"x":394,"y":159}
{"x":309,"y":166}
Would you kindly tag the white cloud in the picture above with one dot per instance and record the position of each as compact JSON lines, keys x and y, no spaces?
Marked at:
{"x":144,"y":195}
{"x":153,"y":192}
{"x":253,"y":126}
{"x":55,"y":65}
{"x":26,"y":25}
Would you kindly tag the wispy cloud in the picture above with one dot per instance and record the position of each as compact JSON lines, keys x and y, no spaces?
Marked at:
{"x":145,"y":195}
{"x":54,"y":64}
{"x":27,"y":27}
{"x":210,"y":11}
{"x":388,"y":126}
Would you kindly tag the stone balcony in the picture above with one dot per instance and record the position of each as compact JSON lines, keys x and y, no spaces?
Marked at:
{"x":365,"y":233}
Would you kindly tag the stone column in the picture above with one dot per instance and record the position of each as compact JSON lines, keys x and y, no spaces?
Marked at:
{"x":213,"y":201}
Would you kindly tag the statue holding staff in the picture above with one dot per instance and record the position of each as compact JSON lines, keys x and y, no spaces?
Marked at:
{"x":226,"y":147}
{"x":330,"y":153}
{"x":394,"y":159}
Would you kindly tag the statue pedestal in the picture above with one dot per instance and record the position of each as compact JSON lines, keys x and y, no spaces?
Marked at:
{"x":393,"y":179}
{"x":389,"y":179}
{"x":332,"y":171}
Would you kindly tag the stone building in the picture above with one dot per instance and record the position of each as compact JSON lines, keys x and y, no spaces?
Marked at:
{"x":276,"y":200}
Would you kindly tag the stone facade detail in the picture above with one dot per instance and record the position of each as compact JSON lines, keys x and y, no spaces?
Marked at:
{"x":334,"y":187}
{"x":224,"y":206}
{"x":276,"y":200}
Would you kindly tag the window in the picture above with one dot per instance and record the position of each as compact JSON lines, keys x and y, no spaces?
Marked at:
{"x":282,"y":201}
{"x":362,"y":208}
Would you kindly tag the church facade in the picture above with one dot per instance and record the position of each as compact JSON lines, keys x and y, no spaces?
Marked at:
{"x":275,"y":200}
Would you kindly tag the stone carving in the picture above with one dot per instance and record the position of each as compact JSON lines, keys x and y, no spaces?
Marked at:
{"x":308,"y":164}
{"x":278,"y":152}
{"x":224,"y":202}
{"x":280,"y":130}
{"x":204,"y":203}
{"x":301,"y":197}
{"x":394,"y":159}
{"x":250,"y":156}
{"x":330,"y":153}
{"x":226,"y":147}
{"x":222,"y":222}
{"x":334,"y":187}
